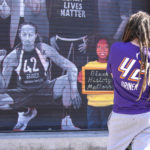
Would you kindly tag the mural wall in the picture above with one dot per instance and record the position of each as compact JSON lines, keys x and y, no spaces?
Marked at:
{"x":53,"y":58}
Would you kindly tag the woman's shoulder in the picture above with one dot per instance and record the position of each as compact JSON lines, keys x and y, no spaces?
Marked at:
{"x":116,"y":44}
{"x":121,"y":46}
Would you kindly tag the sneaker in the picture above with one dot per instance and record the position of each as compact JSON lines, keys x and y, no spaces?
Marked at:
{"x":24,"y":118}
{"x":66,"y":124}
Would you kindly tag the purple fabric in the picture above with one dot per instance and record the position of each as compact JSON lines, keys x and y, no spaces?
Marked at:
{"x":124,"y":64}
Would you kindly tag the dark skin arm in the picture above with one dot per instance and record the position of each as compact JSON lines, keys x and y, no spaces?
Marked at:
{"x":9,"y":63}
{"x":71,"y":69}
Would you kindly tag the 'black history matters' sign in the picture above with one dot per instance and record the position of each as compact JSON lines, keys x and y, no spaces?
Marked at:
{"x":96,"y":80}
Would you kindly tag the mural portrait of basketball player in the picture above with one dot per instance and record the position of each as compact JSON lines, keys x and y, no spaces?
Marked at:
{"x":30,"y":60}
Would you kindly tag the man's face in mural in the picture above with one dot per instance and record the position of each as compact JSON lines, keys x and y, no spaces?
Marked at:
{"x":34,"y":5}
{"x":28,"y":37}
{"x":102,"y":49}
{"x":4,"y":9}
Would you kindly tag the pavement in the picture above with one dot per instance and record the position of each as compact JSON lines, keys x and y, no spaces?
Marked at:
{"x":51,"y":140}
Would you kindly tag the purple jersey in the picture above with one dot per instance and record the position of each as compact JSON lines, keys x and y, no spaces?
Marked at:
{"x":124,"y":64}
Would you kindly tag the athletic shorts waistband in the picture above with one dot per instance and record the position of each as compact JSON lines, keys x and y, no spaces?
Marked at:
{"x":70,"y":39}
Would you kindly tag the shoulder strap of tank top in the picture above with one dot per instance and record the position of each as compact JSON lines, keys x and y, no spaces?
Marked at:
{"x":38,"y":46}
{"x":18,"y":50}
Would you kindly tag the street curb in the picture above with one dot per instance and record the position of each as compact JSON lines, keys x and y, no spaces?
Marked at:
{"x":78,"y":140}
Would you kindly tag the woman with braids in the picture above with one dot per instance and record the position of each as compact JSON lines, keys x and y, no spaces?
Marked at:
{"x":130,"y":68}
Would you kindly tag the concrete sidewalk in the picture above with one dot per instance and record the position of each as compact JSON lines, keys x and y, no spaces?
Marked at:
{"x":76,"y":140}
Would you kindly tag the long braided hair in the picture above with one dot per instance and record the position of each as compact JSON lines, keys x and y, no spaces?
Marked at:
{"x":38,"y":40}
{"x":138,"y":27}
{"x":38,"y":44}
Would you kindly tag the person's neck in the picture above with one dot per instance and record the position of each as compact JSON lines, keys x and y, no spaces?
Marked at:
{"x":102,"y":60}
{"x":28,"y":49}
{"x":135,"y":42}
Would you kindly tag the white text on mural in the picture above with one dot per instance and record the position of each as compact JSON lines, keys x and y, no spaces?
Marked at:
{"x":73,"y":8}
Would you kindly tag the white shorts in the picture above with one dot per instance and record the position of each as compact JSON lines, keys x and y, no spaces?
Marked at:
{"x":125,"y":129}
